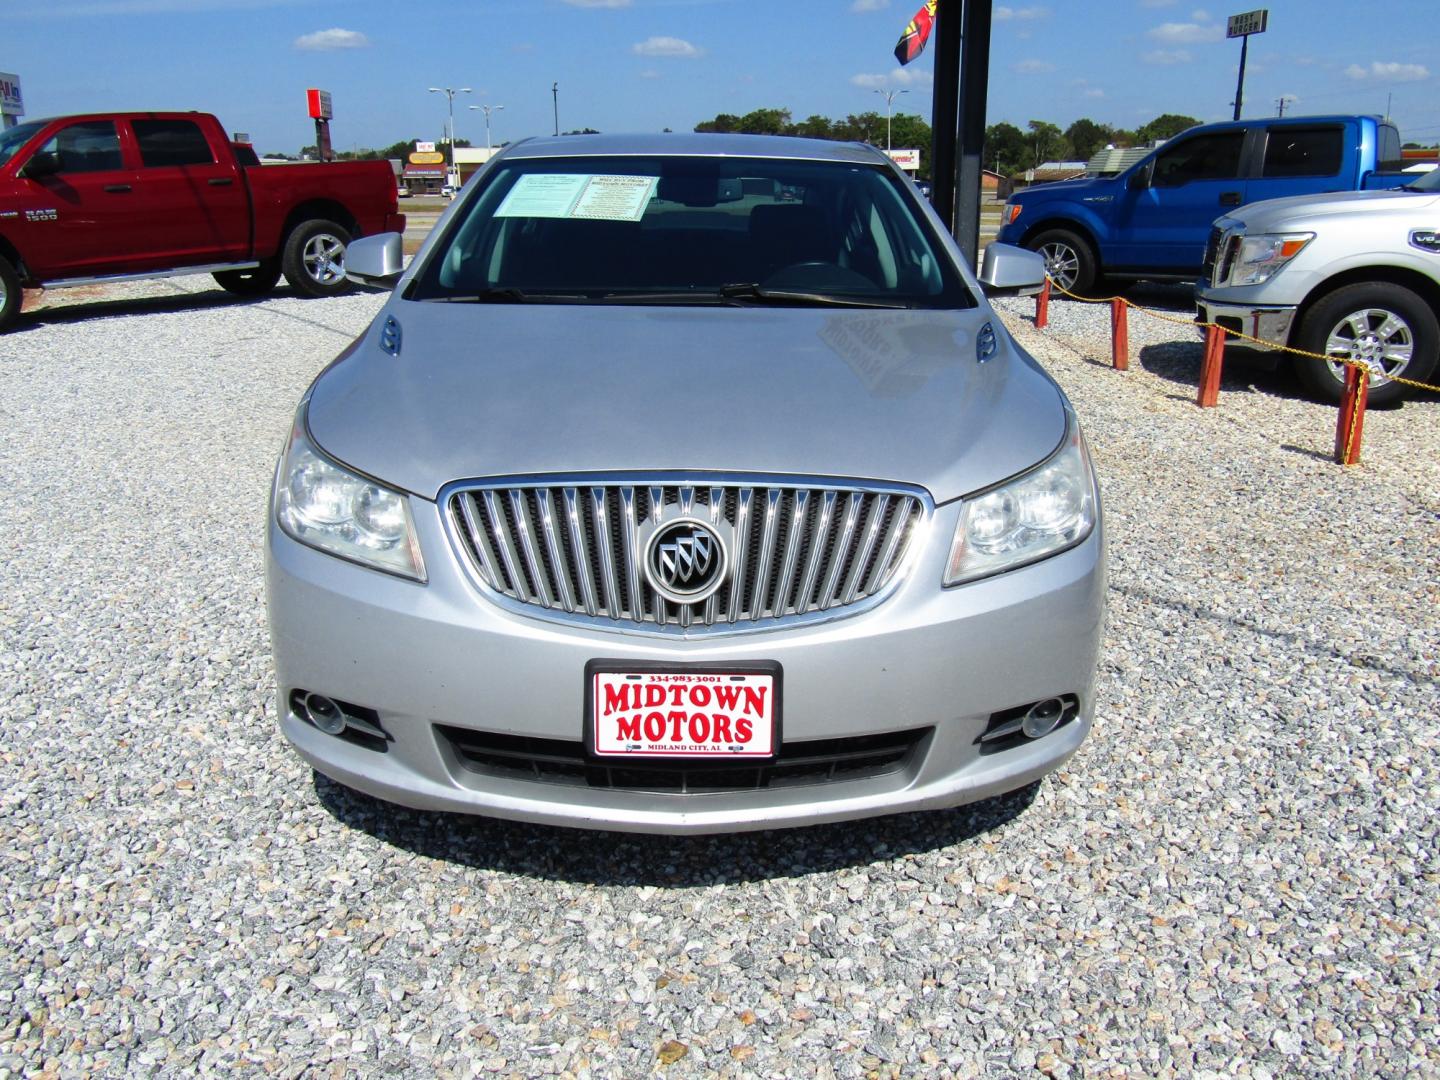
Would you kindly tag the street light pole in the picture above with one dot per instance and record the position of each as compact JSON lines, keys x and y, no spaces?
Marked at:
{"x":555,"y":93}
{"x":889,"y":96}
{"x":450,"y":93}
{"x":487,"y":110}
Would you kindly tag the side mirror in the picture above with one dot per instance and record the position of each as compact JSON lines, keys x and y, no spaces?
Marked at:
{"x":1140,"y":178}
{"x":41,"y":164}
{"x":1012,"y":271}
{"x":375,"y":261}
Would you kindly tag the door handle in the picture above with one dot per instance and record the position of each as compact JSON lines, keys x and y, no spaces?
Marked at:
{"x":117,"y":189}
{"x":1230,"y":198}
{"x":221,"y":181}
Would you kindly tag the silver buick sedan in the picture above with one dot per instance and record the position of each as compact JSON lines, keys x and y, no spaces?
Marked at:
{"x":686,"y":484}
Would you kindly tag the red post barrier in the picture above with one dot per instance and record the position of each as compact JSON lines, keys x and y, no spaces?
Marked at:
{"x":1119,"y":336}
{"x":1351,"y":423}
{"x":1042,"y":306}
{"x":1208,"y":393}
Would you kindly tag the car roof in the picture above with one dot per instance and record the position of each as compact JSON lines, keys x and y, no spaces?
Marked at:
{"x":704,"y":144}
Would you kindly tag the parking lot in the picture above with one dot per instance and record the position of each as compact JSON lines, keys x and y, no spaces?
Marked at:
{"x":1237,"y":875}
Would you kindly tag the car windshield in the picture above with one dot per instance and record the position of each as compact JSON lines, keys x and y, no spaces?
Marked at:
{"x":692,"y":230}
{"x":11,"y":139}
{"x":1428,"y":182}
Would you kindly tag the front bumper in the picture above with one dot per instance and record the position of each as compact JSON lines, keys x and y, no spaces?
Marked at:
{"x":438,"y":656}
{"x":1263,"y":325}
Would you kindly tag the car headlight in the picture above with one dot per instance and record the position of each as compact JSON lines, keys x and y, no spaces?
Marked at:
{"x":1261,"y":255}
{"x":326,"y":506}
{"x":1040,"y":513}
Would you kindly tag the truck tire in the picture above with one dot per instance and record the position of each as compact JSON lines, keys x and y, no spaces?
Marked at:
{"x":314,"y":258}
{"x":1386,"y":325}
{"x":1069,"y":260}
{"x":10,"y":294}
{"x":256,"y":282}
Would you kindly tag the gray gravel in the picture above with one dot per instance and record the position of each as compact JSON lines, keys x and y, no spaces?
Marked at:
{"x":1236,"y":876}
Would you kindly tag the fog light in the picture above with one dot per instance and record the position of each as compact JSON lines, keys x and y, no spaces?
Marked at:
{"x":1042,"y":718}
{"x":325,"y":714}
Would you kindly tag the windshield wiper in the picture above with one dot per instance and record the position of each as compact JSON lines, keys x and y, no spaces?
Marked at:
{"x":755,"y":293}
{"x":508,"y":295}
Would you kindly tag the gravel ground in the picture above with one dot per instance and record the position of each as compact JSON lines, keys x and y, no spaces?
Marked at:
{"x":1236,"y":876}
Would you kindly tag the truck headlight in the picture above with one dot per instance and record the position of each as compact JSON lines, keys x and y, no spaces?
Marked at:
{"x":324,"y":505}
{"x":1261,"y":255}
{"x":1038,"y":514}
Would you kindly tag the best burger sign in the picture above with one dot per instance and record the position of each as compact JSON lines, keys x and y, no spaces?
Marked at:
{"x":683,"y":711}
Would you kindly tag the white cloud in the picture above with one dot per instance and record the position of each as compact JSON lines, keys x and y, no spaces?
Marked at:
{"x":1033,"y":67}
{"x":666,"y":46}
{"x":870,"y":5}
{"x":1005,"y":14}
{"x":599,"y":3}
{"x":1200,"y":15}
{"x":901,"y":77}
{"x":1186,"y":33}
{"x":1389,"y":71}
{"x":1166,"y":57}
{"x":334,"y":38}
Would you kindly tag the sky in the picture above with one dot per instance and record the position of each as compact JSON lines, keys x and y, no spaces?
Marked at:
{"x":645,"y":65}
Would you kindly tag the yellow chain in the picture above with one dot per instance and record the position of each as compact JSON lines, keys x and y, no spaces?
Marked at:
{"x":1243,"y":337}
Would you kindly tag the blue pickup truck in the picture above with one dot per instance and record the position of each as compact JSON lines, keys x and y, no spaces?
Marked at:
{"x":1153,"y":220}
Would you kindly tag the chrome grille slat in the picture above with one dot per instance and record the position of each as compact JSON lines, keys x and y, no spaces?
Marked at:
{"x":575,"y":549}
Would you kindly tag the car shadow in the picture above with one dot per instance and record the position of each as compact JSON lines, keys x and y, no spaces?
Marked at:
{"x":1249,"y":371}
{"x":591,"y":857}
{"x":31,"y":319}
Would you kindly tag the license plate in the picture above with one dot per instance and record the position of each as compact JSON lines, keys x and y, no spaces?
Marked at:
{"x":716,"y":712}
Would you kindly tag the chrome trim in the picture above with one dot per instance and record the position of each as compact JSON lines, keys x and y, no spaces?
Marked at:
{"x":777,"y":529}
{"x":184,"y":271}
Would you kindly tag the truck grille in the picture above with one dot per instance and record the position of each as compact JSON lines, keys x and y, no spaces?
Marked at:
{"x":790,"y":551}
{"x":1212,"y":254}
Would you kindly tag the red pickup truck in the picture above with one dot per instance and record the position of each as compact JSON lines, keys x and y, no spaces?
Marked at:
{"x":113,"y":196}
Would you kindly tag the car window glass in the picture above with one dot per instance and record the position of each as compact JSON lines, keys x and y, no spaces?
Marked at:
{"x":11,"y":139}
{"x":171,"y":142}
{"x":92,"y":146}
{"x":678,"y":225}
{"x":1201,"y":157}
{"x":1302,"y":151}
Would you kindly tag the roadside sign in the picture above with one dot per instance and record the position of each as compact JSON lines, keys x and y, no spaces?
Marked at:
{"x":424,"y":147}
{"x":906,"y":159}
{"x":319,"y":103}
{"x":419,"y":158}
{"x":11,"y":103}
{"x":1252,"y":22}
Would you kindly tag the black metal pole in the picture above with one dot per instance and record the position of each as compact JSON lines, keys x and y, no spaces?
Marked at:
{"x":944,"y":118}
{"x":974,"y":86}
{"x":555,"y":93}
{"x":1240,"y":86}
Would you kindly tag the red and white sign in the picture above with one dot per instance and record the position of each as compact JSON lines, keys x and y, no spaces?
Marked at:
{"x":683,"y":714}
{"x":906,"y":159}
{"x":424,"y":147}
{"x":319,"y":104}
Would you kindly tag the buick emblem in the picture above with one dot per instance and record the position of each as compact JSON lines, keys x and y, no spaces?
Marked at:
{"x":685,"y":561}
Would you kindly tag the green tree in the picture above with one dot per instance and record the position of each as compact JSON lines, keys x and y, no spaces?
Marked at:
{"x":813,"y":127}
{"x":765,"y":122}
{"x":1086,"y":138}
{"x":1006,"y":148}
{"x":1047,"y":142}
{"x":1165,"y":126}
{"x":723,"y":122}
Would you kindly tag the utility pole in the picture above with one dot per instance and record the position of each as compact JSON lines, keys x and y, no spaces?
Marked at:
{"x":555,"y":92}
{"x":450,"y":93}
{"x":1280,"y":106}
{"x":487,"y":110}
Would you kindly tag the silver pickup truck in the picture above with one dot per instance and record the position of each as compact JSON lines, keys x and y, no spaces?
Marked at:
{"x":1353,"y":275}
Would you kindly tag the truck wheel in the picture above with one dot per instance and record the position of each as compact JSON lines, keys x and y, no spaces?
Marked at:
{"x":1069,"y":261}
{"x":256,"y":282}
{"x":1385,"y":326}
{"x":314,"y":258}
{"x":10,"y":294}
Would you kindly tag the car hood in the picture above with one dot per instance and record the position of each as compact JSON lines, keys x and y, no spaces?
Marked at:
{"x":1064,"y":189}
{"x":485,"y":390}
{"x":1301,"y":210}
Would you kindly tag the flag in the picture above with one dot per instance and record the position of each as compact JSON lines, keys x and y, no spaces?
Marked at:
{"x":917,"y":33}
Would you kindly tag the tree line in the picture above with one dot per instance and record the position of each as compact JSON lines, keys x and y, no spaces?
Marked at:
{"x":1008,"y":149}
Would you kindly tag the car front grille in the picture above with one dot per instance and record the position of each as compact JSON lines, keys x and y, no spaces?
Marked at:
{"x":1212,"y":254}
{"x":798,"y":764}
{"x":577,"y":550}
